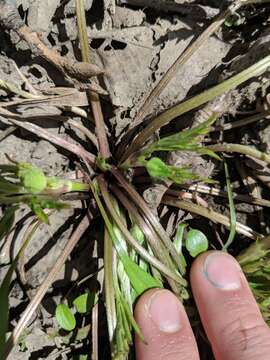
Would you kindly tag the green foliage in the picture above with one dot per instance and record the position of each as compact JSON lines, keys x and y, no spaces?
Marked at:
{"x":235,"y":20}
{"x":255,"y":262}
{"x":65,"y":317}
{"x":232,"y":209}
{"x":24,"y":183}
{"x":32,"y":178}
{"x":186,"y":140}
{"x":159,"y":170}
{"x":7,"y":220}
{"x":84,"y":302}
{"x":196,"y":242}
{"x":178,"y":243}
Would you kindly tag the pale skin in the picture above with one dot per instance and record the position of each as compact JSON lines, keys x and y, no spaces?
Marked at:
{"x":228,"y":310}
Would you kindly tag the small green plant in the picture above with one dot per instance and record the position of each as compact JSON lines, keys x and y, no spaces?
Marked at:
{"x":25,"y":183}
{"x":138,"y":252}
{"x":82,"y":305}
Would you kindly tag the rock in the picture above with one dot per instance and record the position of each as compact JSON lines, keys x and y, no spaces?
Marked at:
{"x":40,"y":14}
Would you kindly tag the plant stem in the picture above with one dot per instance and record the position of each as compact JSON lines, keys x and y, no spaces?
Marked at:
{"x":93,"y":97}
{"x":194,"y":102}
{"x":141,"y":204}
{"x":242,"y":122}
{"x":211,"y":215}
{"x":241,"y":149}
{"x":140,"y":249}
{"x":109,"y":286}
{"x":205,"y":189}
{"x":156,"y":245}
{"x":232,"y":209}
{"x":181,"y":60}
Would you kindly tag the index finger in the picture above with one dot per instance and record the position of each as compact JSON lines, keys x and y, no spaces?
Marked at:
{"x":228,"y":310}
{"x":165,"y":327}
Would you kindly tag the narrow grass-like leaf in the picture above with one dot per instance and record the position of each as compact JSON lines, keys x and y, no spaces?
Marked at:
{"x":7,"y":220}
{"x":196,"y":242}
{"x":65,"y":317}
{"x":194,"y":102}
{"x":4,"y":291}
{"x":186,"y":140}
{"x":140,"y":279}
{"x":178,"y":243}
{"x":232,"y":209}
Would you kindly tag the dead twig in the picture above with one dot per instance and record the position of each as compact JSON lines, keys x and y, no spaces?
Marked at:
{"x":92,"y":96}
{"x":10,"y":19}
{"x":37,"y":130}
{"x":211,"y":215}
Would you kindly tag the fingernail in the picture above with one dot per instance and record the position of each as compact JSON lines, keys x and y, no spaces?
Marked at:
{"x":222,"y":271}
{"x":165,"y":311}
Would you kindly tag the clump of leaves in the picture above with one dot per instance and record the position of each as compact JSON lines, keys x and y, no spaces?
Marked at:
{"x":186,"y":140}
{"x":82,"y":305}
{"x":25,"y":183}
{"x":138,"y":253}
{"x":255,"y":261}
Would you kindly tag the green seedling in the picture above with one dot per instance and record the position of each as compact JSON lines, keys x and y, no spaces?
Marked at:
{"x":25,"y":183}
{"x":186,"y":140}
{"x":196,"y":242}
{"x":65,"y":317}
{"x":82,"y":305}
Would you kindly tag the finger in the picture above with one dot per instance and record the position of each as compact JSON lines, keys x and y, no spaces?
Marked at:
{"x":228,"y":310}
{"x":165,"y":326}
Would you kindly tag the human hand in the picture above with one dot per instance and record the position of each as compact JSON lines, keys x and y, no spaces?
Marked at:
{"x":228,"y":310}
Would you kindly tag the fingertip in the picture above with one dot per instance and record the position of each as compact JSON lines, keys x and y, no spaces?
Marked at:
{"x":227,"y":307}
{"x":165,"y":327}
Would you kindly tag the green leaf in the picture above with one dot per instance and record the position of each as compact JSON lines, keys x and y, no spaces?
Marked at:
{"x":4,"y":306}
{"x":232,"y":209}
{"x":38,"y":210}
{"x":196,"y":242}
{"x":85,"y":302}
{"x":7,"y":187}
{"x":186,"y":140}
{"x":65,"y":317}
{"x":178,"y":244}
{"x":7,"y":220}
{"x":32,"y":178}
{"x":159,"y":170}
{"x":139,"y":278}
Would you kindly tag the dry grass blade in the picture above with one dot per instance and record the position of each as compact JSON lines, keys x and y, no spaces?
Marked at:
{"x":92,"y":96}
{"x":7,"y":132}
{"x":141,"y":204}
{"x":140,"y":249}
{"x":182,"y":59}
{"x":211,"y":215}
{"x":242,"y":122}
{"x":31,"y":308}
{"x":58,"y":96}
{"x":241,"y":149}
{"x":156,"y":245}
{"x":194,"y":102}
{"x":205,"y":189}
{"x":44,"y":134}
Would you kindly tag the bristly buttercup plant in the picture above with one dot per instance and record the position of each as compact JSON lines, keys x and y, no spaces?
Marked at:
{"x":138,"y":252}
